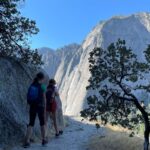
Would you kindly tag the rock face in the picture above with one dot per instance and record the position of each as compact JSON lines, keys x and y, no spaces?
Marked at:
{"x":58,"y":60}
{"x":15,"y":79}
{"x":72,"y":74}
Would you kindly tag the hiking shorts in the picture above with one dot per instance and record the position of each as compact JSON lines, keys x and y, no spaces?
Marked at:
{"x":52,"y":107}
{"x":34,"y":111}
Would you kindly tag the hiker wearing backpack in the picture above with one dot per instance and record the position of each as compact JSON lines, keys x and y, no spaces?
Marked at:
{"x":36,"y":99}
{"x":51,"y":105}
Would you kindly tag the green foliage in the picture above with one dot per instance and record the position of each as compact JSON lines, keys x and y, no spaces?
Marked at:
{"x":14,"y":33}
{"x":115,"y":74}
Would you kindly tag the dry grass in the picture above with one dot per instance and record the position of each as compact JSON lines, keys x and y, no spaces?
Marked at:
{"x":116,"y":139}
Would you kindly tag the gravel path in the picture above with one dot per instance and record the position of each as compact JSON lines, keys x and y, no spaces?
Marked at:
{"x":75,"y":137}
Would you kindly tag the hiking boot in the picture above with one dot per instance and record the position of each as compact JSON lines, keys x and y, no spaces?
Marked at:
{"x":44,"y":142}
{"x":57,"y":135}
{"x":26,"y":145}
{"x":60,"y":132}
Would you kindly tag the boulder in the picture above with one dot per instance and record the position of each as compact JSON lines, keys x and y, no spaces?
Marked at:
{"x":15,"y":78}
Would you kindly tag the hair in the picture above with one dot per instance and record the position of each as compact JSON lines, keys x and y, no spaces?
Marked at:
{"x":39,"y":76}
{"x":52,"y":82}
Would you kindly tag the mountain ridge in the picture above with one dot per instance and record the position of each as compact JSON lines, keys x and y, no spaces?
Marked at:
{"x":72,"y":72}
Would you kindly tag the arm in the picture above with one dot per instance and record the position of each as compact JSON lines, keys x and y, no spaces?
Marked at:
{"x":44,"y":93}
{"x":44,"y":97}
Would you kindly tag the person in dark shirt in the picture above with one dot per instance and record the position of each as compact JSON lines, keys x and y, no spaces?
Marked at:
{"x":37,"y":107}
{"x":51,"y":105}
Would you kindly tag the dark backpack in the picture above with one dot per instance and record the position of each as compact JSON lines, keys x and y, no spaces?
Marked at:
{"x":33,"y":95}
{"x":50,"y":94}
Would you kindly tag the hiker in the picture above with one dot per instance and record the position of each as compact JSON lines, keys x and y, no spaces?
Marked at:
{"x":51,"y":105}
{"x":36,"y":99}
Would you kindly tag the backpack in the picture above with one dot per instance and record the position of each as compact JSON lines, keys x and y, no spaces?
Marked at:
{"x":50,"y":94}
{"x":33,"y":94}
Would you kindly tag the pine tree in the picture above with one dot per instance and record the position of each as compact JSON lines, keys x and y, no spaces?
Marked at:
{"x":14,"y":33}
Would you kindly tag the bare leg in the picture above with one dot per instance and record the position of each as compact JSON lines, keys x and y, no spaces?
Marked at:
{"x":28,"y":134}
{"x":43,"y":132}
{"x":46,"y":124}
{"x":60,"y":119}
{"x":55,"y":122}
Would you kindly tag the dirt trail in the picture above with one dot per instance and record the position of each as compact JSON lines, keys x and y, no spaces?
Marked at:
{"x":75,"y":137}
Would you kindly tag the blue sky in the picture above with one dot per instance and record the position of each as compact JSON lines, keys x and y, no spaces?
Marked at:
{"x":62,"y":22}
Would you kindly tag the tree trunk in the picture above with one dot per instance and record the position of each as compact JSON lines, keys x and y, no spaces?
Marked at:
{"x":146,"y":137}
{"x":146,"y":122}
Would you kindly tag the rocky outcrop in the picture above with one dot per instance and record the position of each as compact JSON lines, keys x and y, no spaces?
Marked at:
{"x":15,"y":79}
{"x":57,"y":61}
{"x":135,"y":29}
